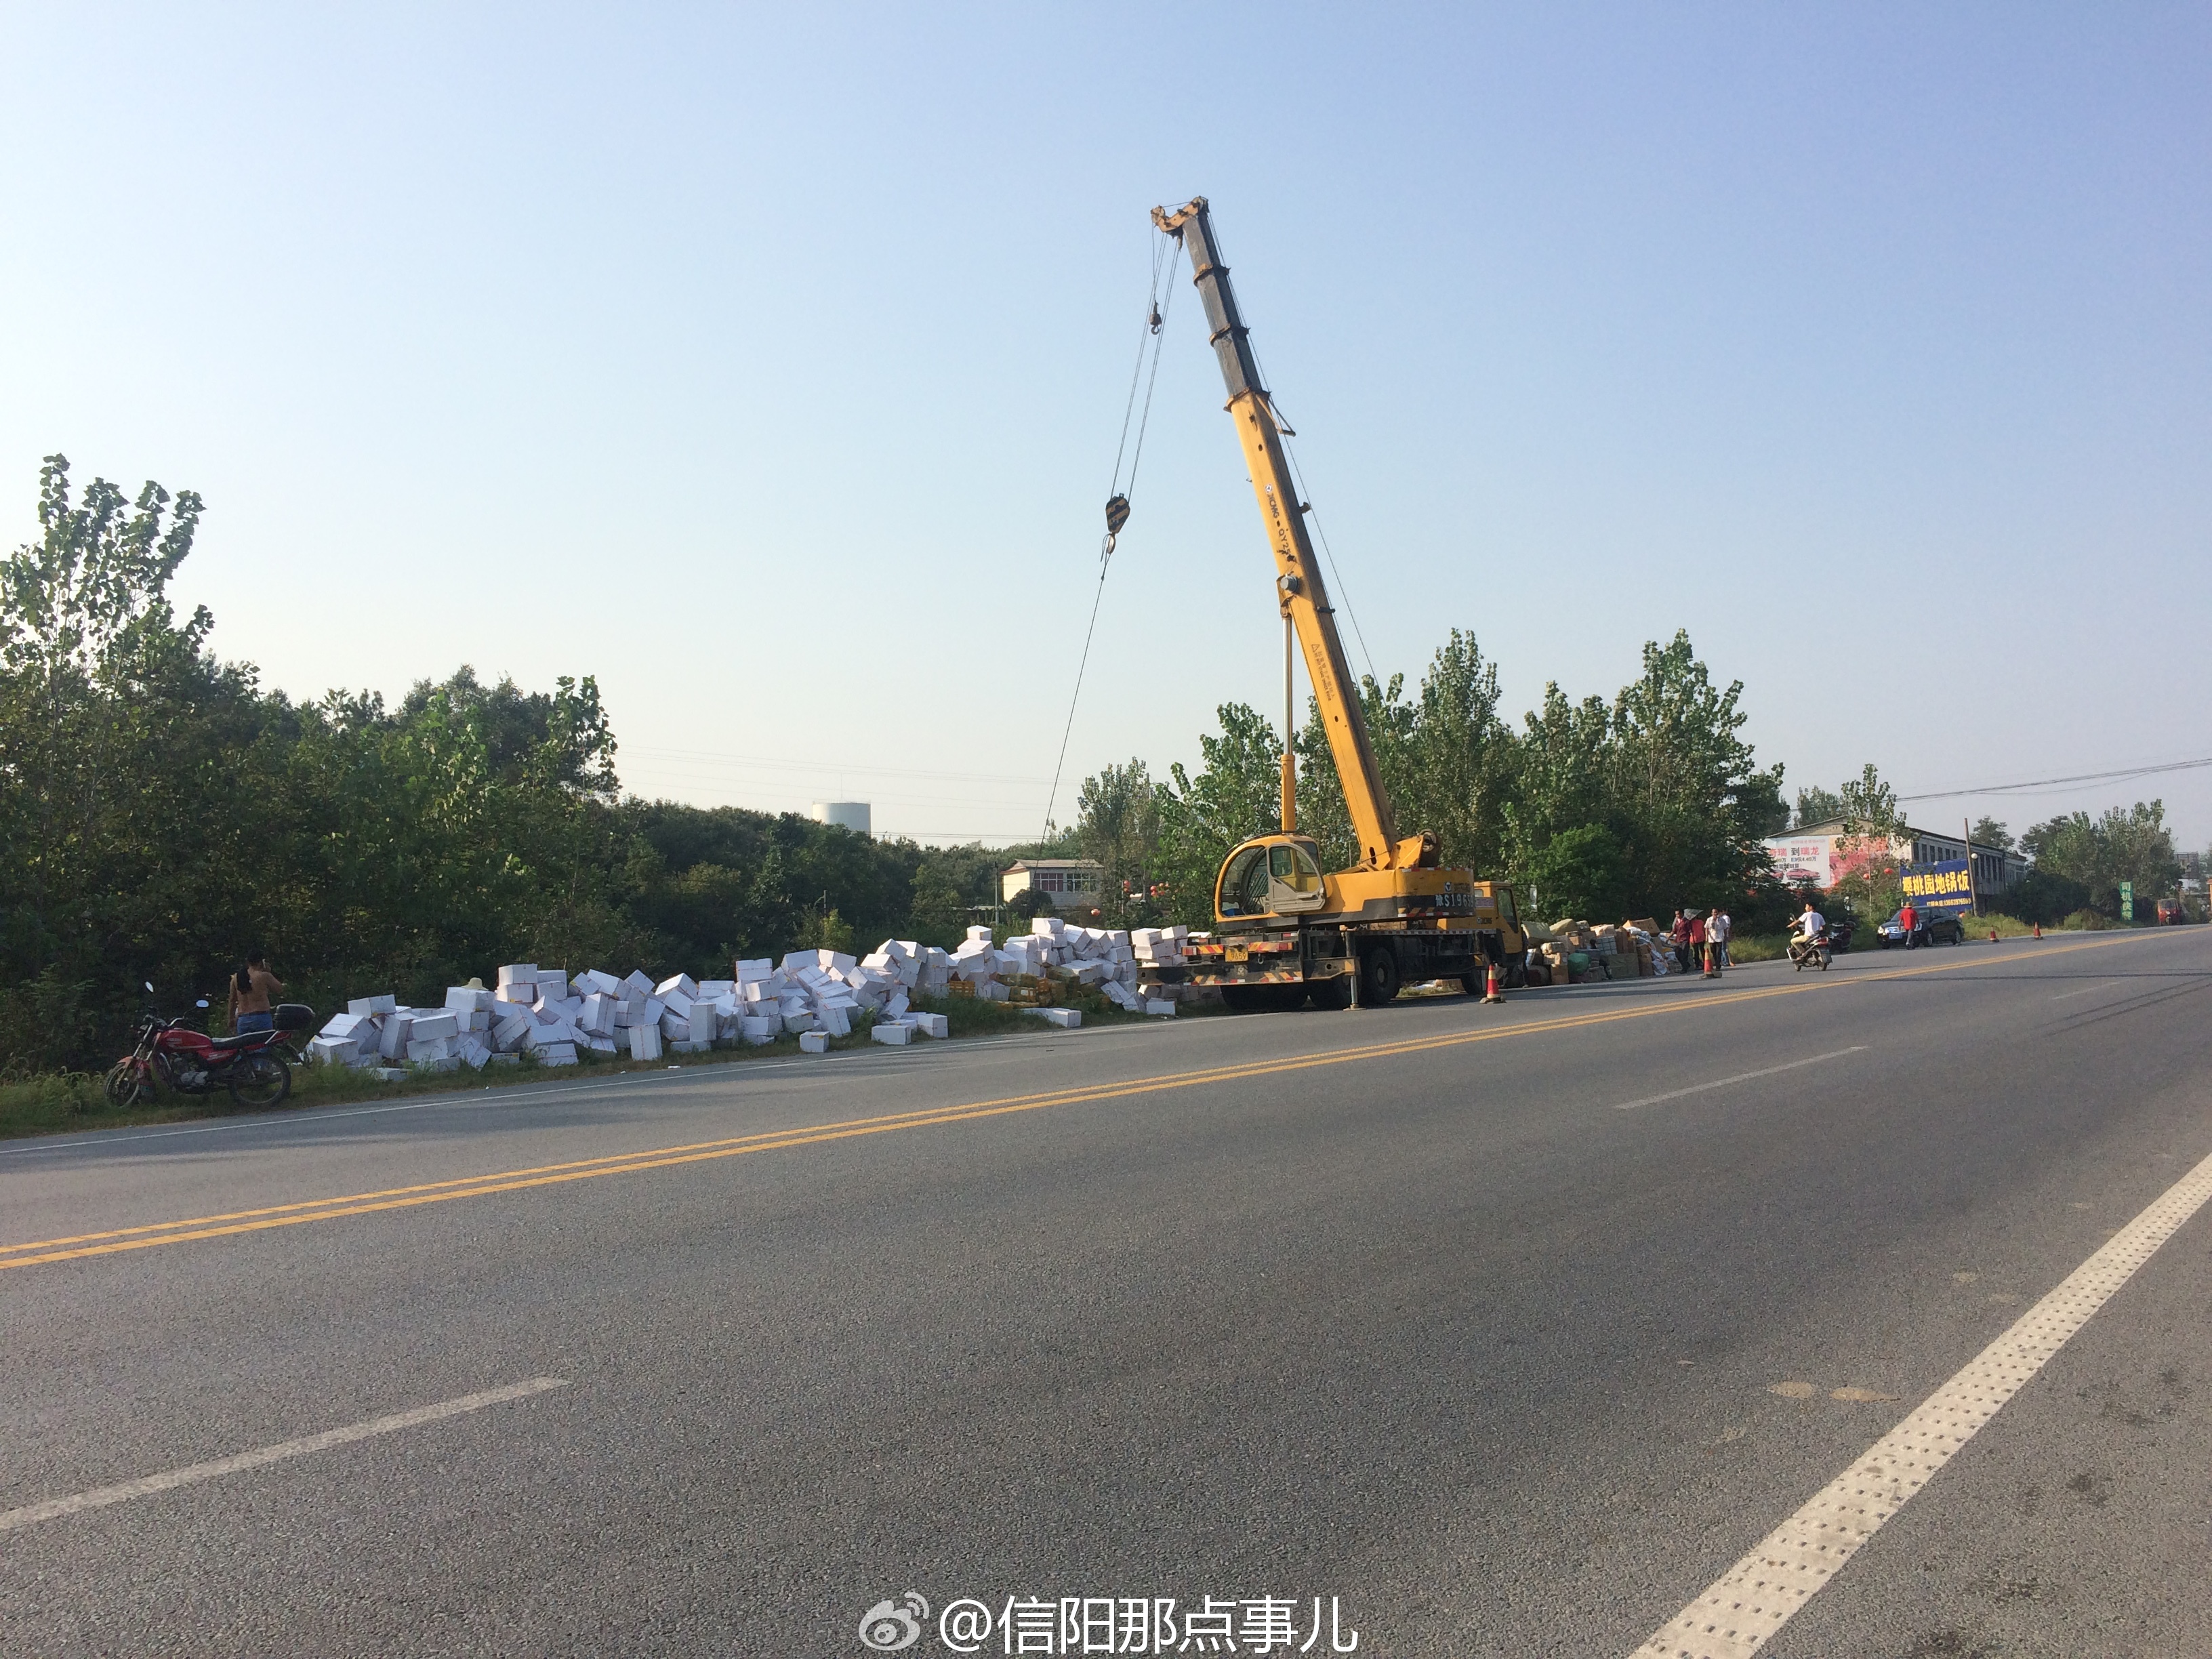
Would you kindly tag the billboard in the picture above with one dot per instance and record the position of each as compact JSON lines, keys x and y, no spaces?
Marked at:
{"x":1942,"y":889}
{"x":1799,"y":859}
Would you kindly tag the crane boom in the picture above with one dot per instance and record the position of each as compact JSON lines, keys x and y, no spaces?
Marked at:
{"x":1300,"y":590}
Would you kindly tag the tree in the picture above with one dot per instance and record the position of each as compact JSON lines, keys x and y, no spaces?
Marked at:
{"x":1817,"y":805}
{"x":1238,"y":794}
{"x":1870,"y":806}
{"x":1118,"y":824}
{"x":1988,"y":832}
{"x":2132,"y":845}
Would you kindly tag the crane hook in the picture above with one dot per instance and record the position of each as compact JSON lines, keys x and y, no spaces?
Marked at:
{"x":1155,"y":319}
{"x":1117,"y":515}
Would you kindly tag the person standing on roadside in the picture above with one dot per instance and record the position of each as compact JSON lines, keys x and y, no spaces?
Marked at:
{"x":1697,"y":942}
{"x":251,"y":988}
{"x":1716,"y":938}
{"x":1678,"y":936}
{"x":1908,"y":924}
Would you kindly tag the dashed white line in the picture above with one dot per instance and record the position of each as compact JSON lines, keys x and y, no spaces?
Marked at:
{"x":1741,"y":1077}
{"x":1758,"y":1596}
{"x":101,"y":1497}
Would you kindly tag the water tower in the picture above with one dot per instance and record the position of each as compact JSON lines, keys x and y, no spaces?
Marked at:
{"x":844,"y":814}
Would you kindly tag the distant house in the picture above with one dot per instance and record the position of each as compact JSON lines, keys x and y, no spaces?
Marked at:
{"x":1066,"y":882}
{"x":1809,"y":855}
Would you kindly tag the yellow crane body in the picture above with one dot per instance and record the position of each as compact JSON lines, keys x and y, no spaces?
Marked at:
{"x":1286,"y":928}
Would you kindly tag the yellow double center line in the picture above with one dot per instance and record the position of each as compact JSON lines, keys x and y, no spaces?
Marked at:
{"x":662,"y":1157}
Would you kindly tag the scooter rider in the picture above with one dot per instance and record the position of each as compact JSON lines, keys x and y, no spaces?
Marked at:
{"x":1810,"y":927}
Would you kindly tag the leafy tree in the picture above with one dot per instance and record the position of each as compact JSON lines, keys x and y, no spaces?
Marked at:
{"x":1580,"y":874}
{"x":1119,"y":825}
{"x":2131,"y":844}
{"x":1870,"y":806}
{"x":1817,"y":805}
{"x":1988,"y":832}
{"x":1238,"y":794}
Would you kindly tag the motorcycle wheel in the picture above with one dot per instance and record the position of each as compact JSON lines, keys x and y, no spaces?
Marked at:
{"x":260,"y":1080}
{"x":126,"y":1086}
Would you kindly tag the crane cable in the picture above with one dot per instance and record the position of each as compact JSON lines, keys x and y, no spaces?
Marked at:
{"x":1165,"y":259}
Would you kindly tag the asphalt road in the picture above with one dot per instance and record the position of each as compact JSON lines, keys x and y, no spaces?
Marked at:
{"x":1473,"y":1318}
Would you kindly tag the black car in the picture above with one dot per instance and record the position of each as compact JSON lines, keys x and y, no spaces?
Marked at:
{"x":1933,"y":930}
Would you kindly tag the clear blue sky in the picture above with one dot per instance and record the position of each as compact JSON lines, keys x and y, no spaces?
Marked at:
{"x":768,"y":363}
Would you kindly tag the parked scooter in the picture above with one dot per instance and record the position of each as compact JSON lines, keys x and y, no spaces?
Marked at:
{"x":254,"y":1066}
{"x":1811,"y":952}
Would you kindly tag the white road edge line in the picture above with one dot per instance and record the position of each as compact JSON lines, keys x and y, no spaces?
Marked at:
{"x":2085,"y":990}
{"x":1741,"y":1077}
{"x":99,"y":1497}
{"x":1758,"y":1596}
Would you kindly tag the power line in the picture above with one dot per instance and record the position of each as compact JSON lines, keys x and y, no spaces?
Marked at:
{"x":2120,"y":776}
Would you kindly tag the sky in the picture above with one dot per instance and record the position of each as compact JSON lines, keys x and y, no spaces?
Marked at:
{"x":768,"y":364}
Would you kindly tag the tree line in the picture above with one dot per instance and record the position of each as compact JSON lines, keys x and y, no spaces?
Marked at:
{"x":162,"y":813}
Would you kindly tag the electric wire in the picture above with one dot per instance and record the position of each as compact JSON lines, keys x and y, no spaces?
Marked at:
{"x":2118,"y":776}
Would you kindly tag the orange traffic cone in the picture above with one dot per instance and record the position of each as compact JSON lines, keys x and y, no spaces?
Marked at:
{"x":1993,"y":936}
{"x":2038,"y":930}
{"x":1490,"y":991}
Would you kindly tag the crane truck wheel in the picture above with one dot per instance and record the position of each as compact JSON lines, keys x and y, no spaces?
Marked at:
{"x":1378,"y":976}
{"x":1332,"y":993}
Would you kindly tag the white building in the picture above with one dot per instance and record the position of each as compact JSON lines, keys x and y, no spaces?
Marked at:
{"x":844,"y":814}
{"x":1809,"y":854}
{"x":1067,"y":883}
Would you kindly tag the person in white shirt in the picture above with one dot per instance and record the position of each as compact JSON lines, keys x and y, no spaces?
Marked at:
{"x":1812,"y":923}
{"x":1716,"y":938}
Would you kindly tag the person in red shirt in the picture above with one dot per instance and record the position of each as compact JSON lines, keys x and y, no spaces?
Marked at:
{"x":1697,"y":942}
{"x":1909,"y":920}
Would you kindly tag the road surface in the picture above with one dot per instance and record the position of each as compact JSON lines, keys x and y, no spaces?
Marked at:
{"x":1477,"y":1331}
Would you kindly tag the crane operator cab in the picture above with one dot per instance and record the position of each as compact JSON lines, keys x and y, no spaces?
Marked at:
{"x":1274,"y":875}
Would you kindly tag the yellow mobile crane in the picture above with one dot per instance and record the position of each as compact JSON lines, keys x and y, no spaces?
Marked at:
{"x":1286,"y":931}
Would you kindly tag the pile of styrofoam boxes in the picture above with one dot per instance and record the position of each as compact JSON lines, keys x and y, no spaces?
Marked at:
{"x":818,"y":994}
{"x":1157,"y":948}
{"x":376,"y":1032}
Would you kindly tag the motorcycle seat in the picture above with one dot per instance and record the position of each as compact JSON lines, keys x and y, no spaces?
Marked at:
{"x":243,"y":1040}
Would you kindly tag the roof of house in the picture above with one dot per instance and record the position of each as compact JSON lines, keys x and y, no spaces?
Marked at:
{"x":1905,"y":832}
{"x":1051,"y":864}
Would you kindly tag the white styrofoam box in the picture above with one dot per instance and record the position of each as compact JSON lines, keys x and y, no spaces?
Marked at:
{"x":1182,"y":932}
{"x":814,"y":1042}
{"x":597,"y":1045}
{"x":893,"y":949}
{"x":751,"y":969}
{"x":835,"y":962}
{"x":515,"y":996}
{"x":475,"y":1019}
{"x":561,"y":1054}
{"x":787,"y":1007}
{"x":333,"y":1051}
{"x":892,"y":1032}
{"x":798,"y":1022}
{"x":682,"y":982}
{"x":1047,"y":926}
{"x":881,"y":961}
{"x":896,"y":1005}
{"x":760,"y":1030}
{"x":909,"y":971}
{"x":675,"y":1028}
{"x":676,"y":1001}
{"x":392,"y":1044}
{"x":508,"y":1035}
{"x":595,"y":980}
{"x":472,"y":1054}
{"x":434,"y":1049}
{"x":463,"y":997}
{"x":1154,"y":1005}
{"x":930,"y":1025}
{"x":518,"y":973}
{"x":715,"y":989}
{"x":597,"y":1018}
{"x":1066,"y":1018}
{"x":702,"y":1023}
{"x":626,"y":1012}
{"x":795,"y":960}
{"x":385,"y":1005}
{"x":428,"y":1027}
{"x":636,"y":986}
{"x":559,"y":1034}
{"x":979,"y":936}
{"x":1119,"y":995}
{"x":346,"y":1028}
{"x":989,"y":990}
{"x":644,"y":1042}
{"x":836,"y":1022}
{"x":552,"y":985}
{"x":1090,"y":972}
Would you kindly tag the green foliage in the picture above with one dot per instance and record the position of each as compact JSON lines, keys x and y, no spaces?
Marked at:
{"x":1120,"y":826}
{"x":1238,"y":794}
{"x":1580,"y":874}
{"x":1988,"y":832}
{"x":2132,"y":844}
{"x":1816,"y":806}
{"x":1870,"y":806}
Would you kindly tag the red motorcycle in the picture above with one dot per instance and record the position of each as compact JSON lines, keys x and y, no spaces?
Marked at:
{"x":255,"y":1066}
